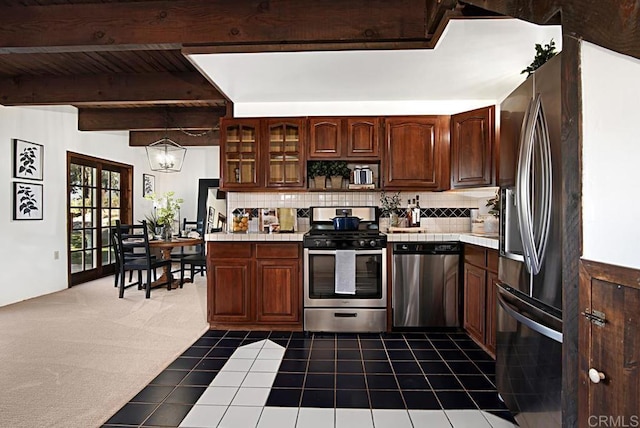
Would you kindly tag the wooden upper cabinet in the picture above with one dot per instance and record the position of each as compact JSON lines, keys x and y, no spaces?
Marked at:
{"x":416,"y":153}
{"x":325,"y":138}
{"x":473,"y":148}
{"x":284,"y":153}
{"x":363,"y":137}
{"x":240,"y":153}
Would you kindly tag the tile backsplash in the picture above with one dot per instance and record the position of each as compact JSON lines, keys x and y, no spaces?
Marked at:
{"x":444,"y":211}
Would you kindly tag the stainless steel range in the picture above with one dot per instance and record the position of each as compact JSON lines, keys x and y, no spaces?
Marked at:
{"x":345,"y":273}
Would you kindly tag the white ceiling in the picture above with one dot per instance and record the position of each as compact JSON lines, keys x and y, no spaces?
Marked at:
{"x":477,"y":62}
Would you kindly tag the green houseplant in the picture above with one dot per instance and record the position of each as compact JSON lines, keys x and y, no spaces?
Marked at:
{"x":543,"y":54}
{"x":389,"y":207}
{"x":318,"y":171}
{"x":338,"y":170}
{"x":166,"y":209}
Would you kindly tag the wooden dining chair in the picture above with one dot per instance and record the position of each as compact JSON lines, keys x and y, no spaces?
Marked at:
{"x":135,"y":255}
{"x":116,"y":253}
{"x":196,"y":262}
{"x":179,"y":253}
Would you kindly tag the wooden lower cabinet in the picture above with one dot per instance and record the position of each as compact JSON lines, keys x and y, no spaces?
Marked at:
{"x":254,"y":285}
{"x":277,"y":291}
{"x":480,"y":282}
{"x":475,"y":290}
{"x":608,"y":346}
{"x":230,"y":296}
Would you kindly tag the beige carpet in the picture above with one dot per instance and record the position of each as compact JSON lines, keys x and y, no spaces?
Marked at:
{"x":73,"y":358}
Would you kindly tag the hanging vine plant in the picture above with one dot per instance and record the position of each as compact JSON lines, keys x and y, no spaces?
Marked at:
{"x":543,"y":54}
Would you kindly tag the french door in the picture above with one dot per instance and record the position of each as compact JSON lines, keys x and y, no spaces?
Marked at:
{"x":99,"y":192}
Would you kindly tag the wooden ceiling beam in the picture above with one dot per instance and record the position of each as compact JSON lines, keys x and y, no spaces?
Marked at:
{"x":116,"y":88}
{"x":612,"y":24}
{"x":144,"y":138}
{"x":165,"y":24}
{"x":149,"y":118}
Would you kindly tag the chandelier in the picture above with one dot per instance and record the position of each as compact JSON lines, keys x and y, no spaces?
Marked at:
{"x":165,"y":155}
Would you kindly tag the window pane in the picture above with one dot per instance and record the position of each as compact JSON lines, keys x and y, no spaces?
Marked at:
{"x":75,"y":175}
{"x":105,"y":234}
{"x":115,"y":198}
{"x":88,"y":194}
{"x":105,"y":178}
{"x":88,"y":238}
{"x":89,"y":262}
{"x":89,"y":177}
{"x":105,"y":221}
{"x":115,"y":180}
{"x":76,"y":261}
{"x":115,"y":215}
{"x":88,"y":218}
{"x":105,"y":256}
{"x":76,"y":240}
{"x":76,"y":218}
{"x":76,"y":197}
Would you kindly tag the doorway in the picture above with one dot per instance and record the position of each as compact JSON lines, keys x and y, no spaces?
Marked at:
{"x":99,"y":192}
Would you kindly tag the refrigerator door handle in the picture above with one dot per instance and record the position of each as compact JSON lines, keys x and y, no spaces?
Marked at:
{"x":534,"y":216}
{"x":516,"y":308}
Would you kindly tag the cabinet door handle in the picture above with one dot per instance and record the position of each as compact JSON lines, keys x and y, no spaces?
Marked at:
{"x":595,"y":376}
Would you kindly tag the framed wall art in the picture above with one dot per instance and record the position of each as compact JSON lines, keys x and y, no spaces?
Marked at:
{"x":148,"y":185}
{"x":28,"y":160}
{"x":27,"y":201}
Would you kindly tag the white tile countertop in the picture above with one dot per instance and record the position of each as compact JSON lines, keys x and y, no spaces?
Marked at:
{"x":468,"y":238}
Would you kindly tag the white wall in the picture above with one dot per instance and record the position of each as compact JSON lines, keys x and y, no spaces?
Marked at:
{"x":610,"y":157}
{"x":27,"y":254}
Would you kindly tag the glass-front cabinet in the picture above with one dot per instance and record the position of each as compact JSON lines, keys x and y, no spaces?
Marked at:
{"x":240,"y":140}
{"x":285,"y":153}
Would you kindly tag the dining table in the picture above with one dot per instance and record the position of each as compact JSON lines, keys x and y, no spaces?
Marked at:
{"x":166,"y":247}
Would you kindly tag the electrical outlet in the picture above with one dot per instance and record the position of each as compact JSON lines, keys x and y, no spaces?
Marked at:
{"x":56,"y":255}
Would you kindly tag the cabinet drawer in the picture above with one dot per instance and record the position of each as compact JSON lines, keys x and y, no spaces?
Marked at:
{"x":229,"y":250}
{"x":492,"y":260}
{"x":475,"y":255}
{"x":277,"y":251}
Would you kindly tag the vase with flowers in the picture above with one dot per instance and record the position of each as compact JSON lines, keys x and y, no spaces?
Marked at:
{"x":389,"y":208}
{"x":166,"y":209}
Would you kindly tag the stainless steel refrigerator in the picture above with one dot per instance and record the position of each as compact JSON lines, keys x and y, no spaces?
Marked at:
{"x":529,"y":294}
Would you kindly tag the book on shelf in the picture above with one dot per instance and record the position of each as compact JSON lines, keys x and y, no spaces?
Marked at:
{"x":353,"y":186}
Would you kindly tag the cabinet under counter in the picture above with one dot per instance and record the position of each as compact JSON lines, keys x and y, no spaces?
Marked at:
{"x":255,"y":286}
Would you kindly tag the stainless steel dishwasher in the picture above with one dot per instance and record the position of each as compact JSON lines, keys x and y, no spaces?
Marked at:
{"x":426,"y":284}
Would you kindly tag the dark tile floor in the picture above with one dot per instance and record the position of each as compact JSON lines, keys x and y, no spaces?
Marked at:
{"x":445,"y":370}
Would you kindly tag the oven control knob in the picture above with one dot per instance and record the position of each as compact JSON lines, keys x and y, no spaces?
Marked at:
{"x":327,"y":243}
{"x":363,"y":243}
{"x":316,"y":243}
{"x":372,"y":243}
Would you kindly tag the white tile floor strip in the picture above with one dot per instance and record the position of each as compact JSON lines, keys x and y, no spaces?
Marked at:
{"x":429,"y":418}
{"x":497,"y":422}
{"x":467,"y":418}
{"x":237,"y":395}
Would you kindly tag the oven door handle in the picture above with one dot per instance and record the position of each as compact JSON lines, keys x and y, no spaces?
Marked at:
{"x":358,"y":252}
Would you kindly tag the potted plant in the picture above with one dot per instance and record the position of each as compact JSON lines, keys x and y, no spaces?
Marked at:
{"x":166,"y":208}
{"x":338,"y":170}
{"x":318,"y":171}
{"x":389,"y":207}
{"x":491,"y":221}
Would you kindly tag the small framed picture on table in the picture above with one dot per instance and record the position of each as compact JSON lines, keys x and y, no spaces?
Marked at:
{"x":148,"y":185}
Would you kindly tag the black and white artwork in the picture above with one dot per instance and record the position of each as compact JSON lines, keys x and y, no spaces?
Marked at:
{"x":27,"y":201}
{"x":28,"y":160}
{"x":148,"y":185}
